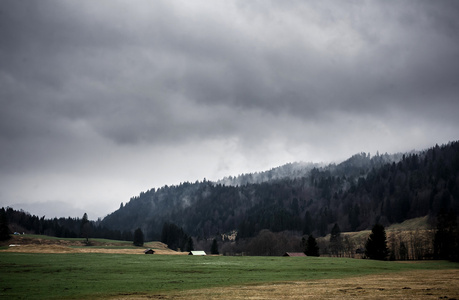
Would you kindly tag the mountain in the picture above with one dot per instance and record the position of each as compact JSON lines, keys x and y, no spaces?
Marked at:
{"x":303,"y":197}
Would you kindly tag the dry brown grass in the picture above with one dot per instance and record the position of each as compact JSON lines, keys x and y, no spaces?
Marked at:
{"x":36,"y":245}
{"x":425,"y":284}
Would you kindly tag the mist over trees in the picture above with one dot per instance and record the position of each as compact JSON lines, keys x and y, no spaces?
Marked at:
{"x":290,"y":170}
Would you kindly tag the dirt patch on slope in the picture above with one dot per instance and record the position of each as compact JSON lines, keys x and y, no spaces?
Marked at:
{"x":423,"y":284}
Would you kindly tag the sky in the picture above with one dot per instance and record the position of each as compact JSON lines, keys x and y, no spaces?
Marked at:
{"x":101,"y":100}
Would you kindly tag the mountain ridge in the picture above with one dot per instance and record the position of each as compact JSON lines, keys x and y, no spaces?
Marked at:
{"x":354,"y":194}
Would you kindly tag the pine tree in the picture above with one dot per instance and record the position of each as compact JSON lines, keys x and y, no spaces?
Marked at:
{"x":4,"y":231}
{"x":376,"y":245}
{"x":336,"y":241}
{"x":85,"y":227}
{"x":446,"y":241}
{"x":311,"y":247}
{"x":214,"y":248}
{"x":138,"y":237}
{"x":189,"y":245}
{"x":174,"y":237}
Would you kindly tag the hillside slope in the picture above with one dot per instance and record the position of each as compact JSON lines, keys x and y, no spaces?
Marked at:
{"x":355,"y":194}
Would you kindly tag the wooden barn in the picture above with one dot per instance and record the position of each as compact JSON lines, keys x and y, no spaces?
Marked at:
{"x":294,"y":254}
{"x":201,"y":253}
{"x":149,"y":251}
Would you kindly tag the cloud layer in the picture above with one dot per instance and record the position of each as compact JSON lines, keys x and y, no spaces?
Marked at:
{"x":103,"y":100}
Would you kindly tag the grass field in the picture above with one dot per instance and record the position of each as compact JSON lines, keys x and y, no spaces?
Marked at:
{"x":89,"y":276}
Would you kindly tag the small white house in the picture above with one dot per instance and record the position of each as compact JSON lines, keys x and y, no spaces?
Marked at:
{"x":197,"y":253}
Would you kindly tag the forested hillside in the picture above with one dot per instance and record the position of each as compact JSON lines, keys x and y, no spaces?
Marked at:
{"x":355,"y":194}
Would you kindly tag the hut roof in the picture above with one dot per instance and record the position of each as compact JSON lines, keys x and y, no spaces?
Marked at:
{"x":149,"y":251}
{"x":294,"y":254}
{"x":197,"y":253}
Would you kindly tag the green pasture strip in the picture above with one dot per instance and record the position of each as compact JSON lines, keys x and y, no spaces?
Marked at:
{"x":88,"y":275}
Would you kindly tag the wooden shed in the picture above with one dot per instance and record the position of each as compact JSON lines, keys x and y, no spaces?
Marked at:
{"x":149,"y":251}
{"x":197,"y":253}
{"x":294,"y":254}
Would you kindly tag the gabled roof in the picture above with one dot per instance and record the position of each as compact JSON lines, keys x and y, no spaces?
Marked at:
{"x":294,"y":254}
{"x":149,"y":251}
{"x":197,"y":253}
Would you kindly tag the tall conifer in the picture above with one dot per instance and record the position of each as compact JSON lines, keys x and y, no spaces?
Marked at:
{"x":376,"y":245}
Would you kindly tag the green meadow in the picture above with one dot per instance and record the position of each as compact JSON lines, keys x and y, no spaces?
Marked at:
{"x":87,"y":275}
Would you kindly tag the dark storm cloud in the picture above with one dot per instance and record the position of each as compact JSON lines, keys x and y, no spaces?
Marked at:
{"x":365,"y":59}
{"x":104,"y":64}
{"x":85,"y":85}
{"x":65,"y":62}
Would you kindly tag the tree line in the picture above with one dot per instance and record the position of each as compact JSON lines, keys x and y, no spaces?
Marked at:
{"x":21,"y":221}
{"x":443,"y":245}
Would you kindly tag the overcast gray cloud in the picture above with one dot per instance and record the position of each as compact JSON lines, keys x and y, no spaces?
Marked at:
{"x":102,"y":100}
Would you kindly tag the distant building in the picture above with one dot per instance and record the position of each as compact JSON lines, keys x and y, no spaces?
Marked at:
{"x":294,"y":254}
{"x":197,"y":253}
{"x":149,"y":251}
